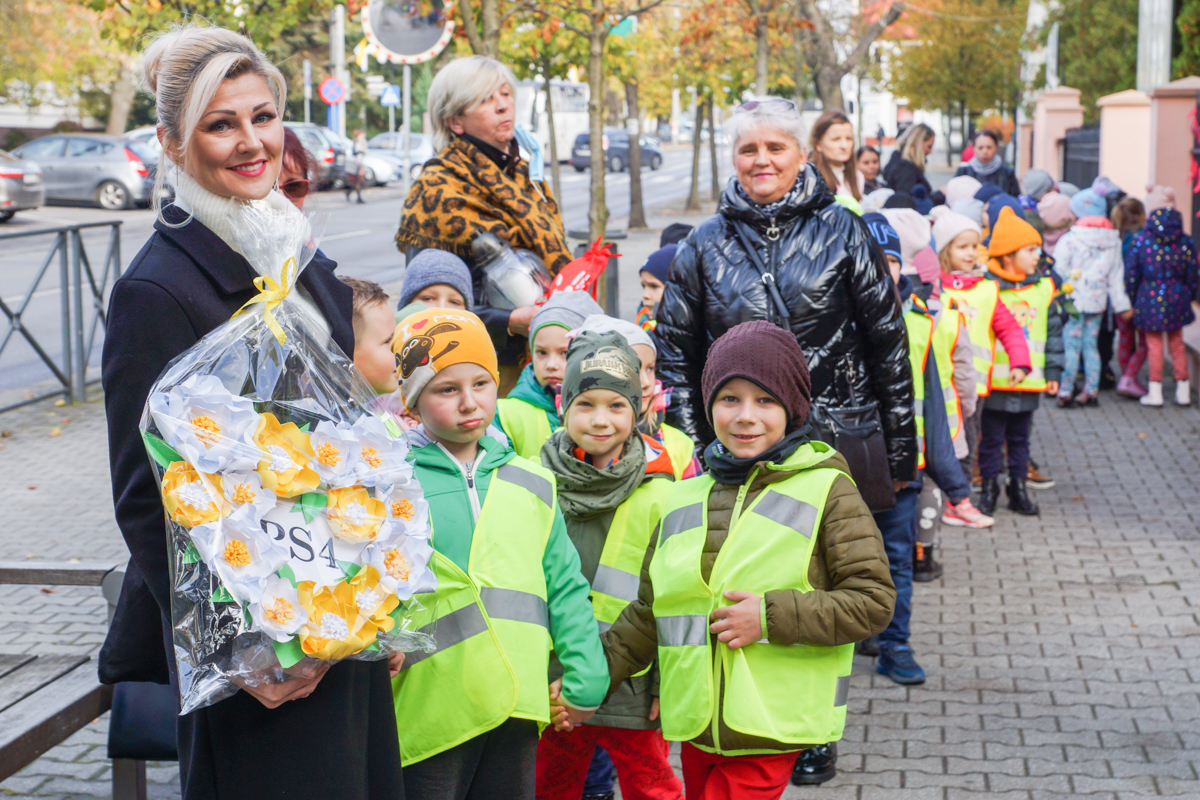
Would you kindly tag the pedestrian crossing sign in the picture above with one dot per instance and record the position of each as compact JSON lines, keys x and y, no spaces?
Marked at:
{"x":390,"y":95}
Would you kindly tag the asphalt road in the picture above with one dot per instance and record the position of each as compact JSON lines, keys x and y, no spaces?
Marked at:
{"x":358,"y":237}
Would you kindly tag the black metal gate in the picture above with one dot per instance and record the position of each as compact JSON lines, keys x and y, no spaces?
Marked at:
{"x":1081,"y":156}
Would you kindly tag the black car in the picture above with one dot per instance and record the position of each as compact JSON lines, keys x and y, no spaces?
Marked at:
{"x":616,"y":151}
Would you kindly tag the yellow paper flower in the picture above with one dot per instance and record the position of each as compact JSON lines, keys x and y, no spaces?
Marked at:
{"x":396,"y":565}
{"x":374,"y":601}
{"x":1067,"y":288}
{"x":285,"y":455}
{"x":354,"y":516}
{"x":190,"y":498}
{"x":335,"y":628}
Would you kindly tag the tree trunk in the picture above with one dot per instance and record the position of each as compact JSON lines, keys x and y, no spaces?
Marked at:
{"x":761,"y":83}
{"x":555,"y":176}
{"x":122,"y":99}
{"x":693,"y":201}
{"x":597,"y":206}
{"x":829,"y":88}
{"x":800,"y":76}
{"x":949,"y":133}
{"x":467,"y":11}
{"x":489,"y":13}
{"x":712,"y":151}
{"x":637,"y":214}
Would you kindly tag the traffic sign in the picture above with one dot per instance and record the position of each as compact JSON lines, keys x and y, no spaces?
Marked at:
{"x":332,"y":91}
{"x":390,"y":95}
{"x":407,"y":31}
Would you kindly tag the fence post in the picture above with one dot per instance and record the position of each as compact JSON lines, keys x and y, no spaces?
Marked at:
{"x":79,"y":381}
{"x":64,"y":282}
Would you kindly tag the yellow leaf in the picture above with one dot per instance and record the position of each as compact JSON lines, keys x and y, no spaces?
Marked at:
{"x":55,"y":432}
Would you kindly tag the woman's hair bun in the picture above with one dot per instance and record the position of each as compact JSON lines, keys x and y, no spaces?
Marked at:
{"x":153,"y":55}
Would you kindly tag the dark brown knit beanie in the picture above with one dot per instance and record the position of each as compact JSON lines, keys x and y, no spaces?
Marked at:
{"x":765,"y":354}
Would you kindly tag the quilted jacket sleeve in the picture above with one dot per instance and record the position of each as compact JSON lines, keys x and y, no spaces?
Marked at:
{"x":682,"y":345}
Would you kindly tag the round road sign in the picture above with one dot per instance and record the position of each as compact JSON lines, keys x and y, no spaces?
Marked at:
{"x":332,"y":91}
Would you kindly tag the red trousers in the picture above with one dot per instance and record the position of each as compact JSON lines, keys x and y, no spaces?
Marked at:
{"x":640,"y":758}
{"x":709,"y":776}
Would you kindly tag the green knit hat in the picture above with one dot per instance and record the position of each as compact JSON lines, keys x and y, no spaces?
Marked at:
{"x":601,"y":361}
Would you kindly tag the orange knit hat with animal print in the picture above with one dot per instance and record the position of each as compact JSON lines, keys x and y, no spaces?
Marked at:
{"x":428,"y":341}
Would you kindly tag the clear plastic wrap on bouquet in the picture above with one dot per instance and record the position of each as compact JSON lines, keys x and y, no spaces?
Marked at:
{"x":297,"y":531}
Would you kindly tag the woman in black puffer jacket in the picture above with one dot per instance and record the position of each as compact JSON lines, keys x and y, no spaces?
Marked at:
{"x":840,"y":304}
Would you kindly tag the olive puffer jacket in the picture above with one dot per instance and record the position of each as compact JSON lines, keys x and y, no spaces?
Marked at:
{"x":843,"y":309}
{"x":852,"y":598}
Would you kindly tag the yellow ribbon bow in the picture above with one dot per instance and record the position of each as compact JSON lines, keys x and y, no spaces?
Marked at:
{"x":272,"y":294}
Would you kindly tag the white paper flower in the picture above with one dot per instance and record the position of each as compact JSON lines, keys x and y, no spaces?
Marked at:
{"x":407,"y":511}
{"x":242,"y":559}
{"x":381,"y":457}
{"x":336,"y":452}
{"x":278,"y":613}
{"x":206,"y":424}
{"x":403,"y":566}
{"x":247,"y":498}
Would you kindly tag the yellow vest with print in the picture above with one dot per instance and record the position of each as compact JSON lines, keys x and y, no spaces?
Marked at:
{"x":491,"y":624}
{"x":978,"y":306}
{"x":787,"y":693}
{"x":945,"y":339}
{"x":1030,"y":305}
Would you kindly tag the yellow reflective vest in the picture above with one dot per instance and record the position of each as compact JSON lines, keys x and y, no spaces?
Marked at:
{"x":978,"y":306}
{"x":680,"y":448}
{"x":1030,"y":305}
{"x":526,"y":426}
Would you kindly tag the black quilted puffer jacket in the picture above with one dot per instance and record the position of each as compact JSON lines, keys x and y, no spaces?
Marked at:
{"x":842,"y":307}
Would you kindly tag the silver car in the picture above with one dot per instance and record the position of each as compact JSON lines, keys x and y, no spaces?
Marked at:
{"x":20,"y":186}
{"x":420,"y":148}
{"x":113,"y":172}
{"x":378,"y":168}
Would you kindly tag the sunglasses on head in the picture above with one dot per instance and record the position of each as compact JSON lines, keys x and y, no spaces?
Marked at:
{"x":295,"y":189}
{"x":753,"y":104}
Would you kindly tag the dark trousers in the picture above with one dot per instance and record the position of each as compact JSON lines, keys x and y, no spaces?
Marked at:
{"x":899,"y":528}
{"x":999,"y":427}
{"x":600,"y":776}
{"x":498,"y":765}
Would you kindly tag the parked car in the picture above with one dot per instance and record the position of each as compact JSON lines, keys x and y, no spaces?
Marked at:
{"x":328,"y":153}
{"x":20,"y":185}
{"x":378,"y":168}
{"x":420,"y":148}
{"x":616,"y":151}
{"x":80,"y":167}
{"x":147,"y":135}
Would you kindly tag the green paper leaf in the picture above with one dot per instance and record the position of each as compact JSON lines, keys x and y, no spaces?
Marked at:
{"x":304,"y":428}
{"x":289,"y":653}
{"x":162,"y":453}
{"x":191,"y":555}
{"x":286,"y":572}
{"x":351,"y":569}
{"x":222,"y":595}
{"x":311,"y":504}
{"x":372,"y":648}
{"x":389,"y":422}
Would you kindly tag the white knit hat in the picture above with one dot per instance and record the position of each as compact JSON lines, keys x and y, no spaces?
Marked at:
{"x":913,"y":230}
{"x":949,"y":226}
{"x":960,"y":187}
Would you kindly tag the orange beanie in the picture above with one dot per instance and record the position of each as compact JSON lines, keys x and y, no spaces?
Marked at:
{"x":428,"y":341}
{"x":1011,"y":234}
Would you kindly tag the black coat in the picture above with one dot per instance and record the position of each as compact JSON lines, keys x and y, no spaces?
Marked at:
{"x":902,"y":175}
{"x":1004,"y":177}
{"x":844,"y":310}
{"x":181,"y":285}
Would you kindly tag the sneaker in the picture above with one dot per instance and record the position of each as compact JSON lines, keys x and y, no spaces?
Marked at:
{"x":1129,"y":387}
{"x":965,"y":515}
{"x":1036,"y":480}
{"x":897,"y":662}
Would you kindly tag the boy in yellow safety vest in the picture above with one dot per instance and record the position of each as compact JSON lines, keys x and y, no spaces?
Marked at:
{"x":509,"y":582}
{"x":772,"y":548}
{"x":1016,"y":249}
{"x":529,"y":414}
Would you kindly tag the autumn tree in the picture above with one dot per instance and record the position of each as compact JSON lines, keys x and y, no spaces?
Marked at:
{"x":833,"y":47}
{"x":1097,"y":48}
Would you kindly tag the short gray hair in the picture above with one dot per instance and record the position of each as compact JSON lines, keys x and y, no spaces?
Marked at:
{"x":771,"y":112}
{"x":460,"y":86}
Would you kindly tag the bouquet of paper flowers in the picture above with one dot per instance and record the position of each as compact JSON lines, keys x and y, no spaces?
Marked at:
{"x":296,"y":528}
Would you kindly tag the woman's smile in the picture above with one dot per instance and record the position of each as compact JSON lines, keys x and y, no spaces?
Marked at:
{"x":250,"y":169}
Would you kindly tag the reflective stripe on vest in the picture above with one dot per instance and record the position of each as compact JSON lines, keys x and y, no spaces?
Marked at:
{"x":492,"y":624}
{"x":978,"y":306}
{"x":680,"y":448}
{"x":526,"y":426}
{"x":920,"y":340}
{"x":945,"y":339}
{"x":1030,"y":305}
{"x":783,"y":693}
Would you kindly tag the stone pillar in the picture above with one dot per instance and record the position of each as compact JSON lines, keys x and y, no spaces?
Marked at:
{"x":1056,"y":111}
{"x":1171,"y":107}
{"x":1024,"y":148}
{"x":1125,"y":140}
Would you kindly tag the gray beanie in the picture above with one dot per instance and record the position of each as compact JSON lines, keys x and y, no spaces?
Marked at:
{"x":633,"y":333}
{"x":430,"y":267}
{"x":565,"y":309}
{"x":1036,"y":183}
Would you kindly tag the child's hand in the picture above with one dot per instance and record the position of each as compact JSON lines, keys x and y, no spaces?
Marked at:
{"x":653,"y":710}
{"x":1018,"y":375}
{"x":740,"y":624}
{"x":395,"y":664}
{"x":1051,"y":387}
{"x":564,"y":717}
{"x":1126,"y":315}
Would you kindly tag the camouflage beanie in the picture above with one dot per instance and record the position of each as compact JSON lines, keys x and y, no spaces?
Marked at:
{"x":601,"y":361}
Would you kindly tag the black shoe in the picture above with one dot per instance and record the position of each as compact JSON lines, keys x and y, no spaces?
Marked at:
{"x":602,"y":796}
{"x":868,"y":646}
{"x":1107,"y":379}
{"x":1018,"y":498}
{"x":925,"y":567}
{"x":815,"y":765}
{"x":361,"y":200}
{"x":989,"y":495}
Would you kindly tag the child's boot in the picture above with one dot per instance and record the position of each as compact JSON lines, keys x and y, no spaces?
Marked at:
{"x":1153,"y":395}
{"x":1018,"y":498}
{"x":1183,"y":393}
{"x":1129,"y":387}
{"x":925,"y":567}
{"x":989,"y":495}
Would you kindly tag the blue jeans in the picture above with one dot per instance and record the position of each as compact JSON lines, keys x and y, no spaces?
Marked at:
{"x":1081,"y":338}
{"x":600,"y":773}
{"x":899,"y":528}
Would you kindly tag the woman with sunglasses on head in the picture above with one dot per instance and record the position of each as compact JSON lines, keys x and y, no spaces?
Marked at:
{"x":781,"y":249}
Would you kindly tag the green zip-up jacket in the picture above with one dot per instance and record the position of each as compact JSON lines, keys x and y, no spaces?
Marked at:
{"x":456,"y":493}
